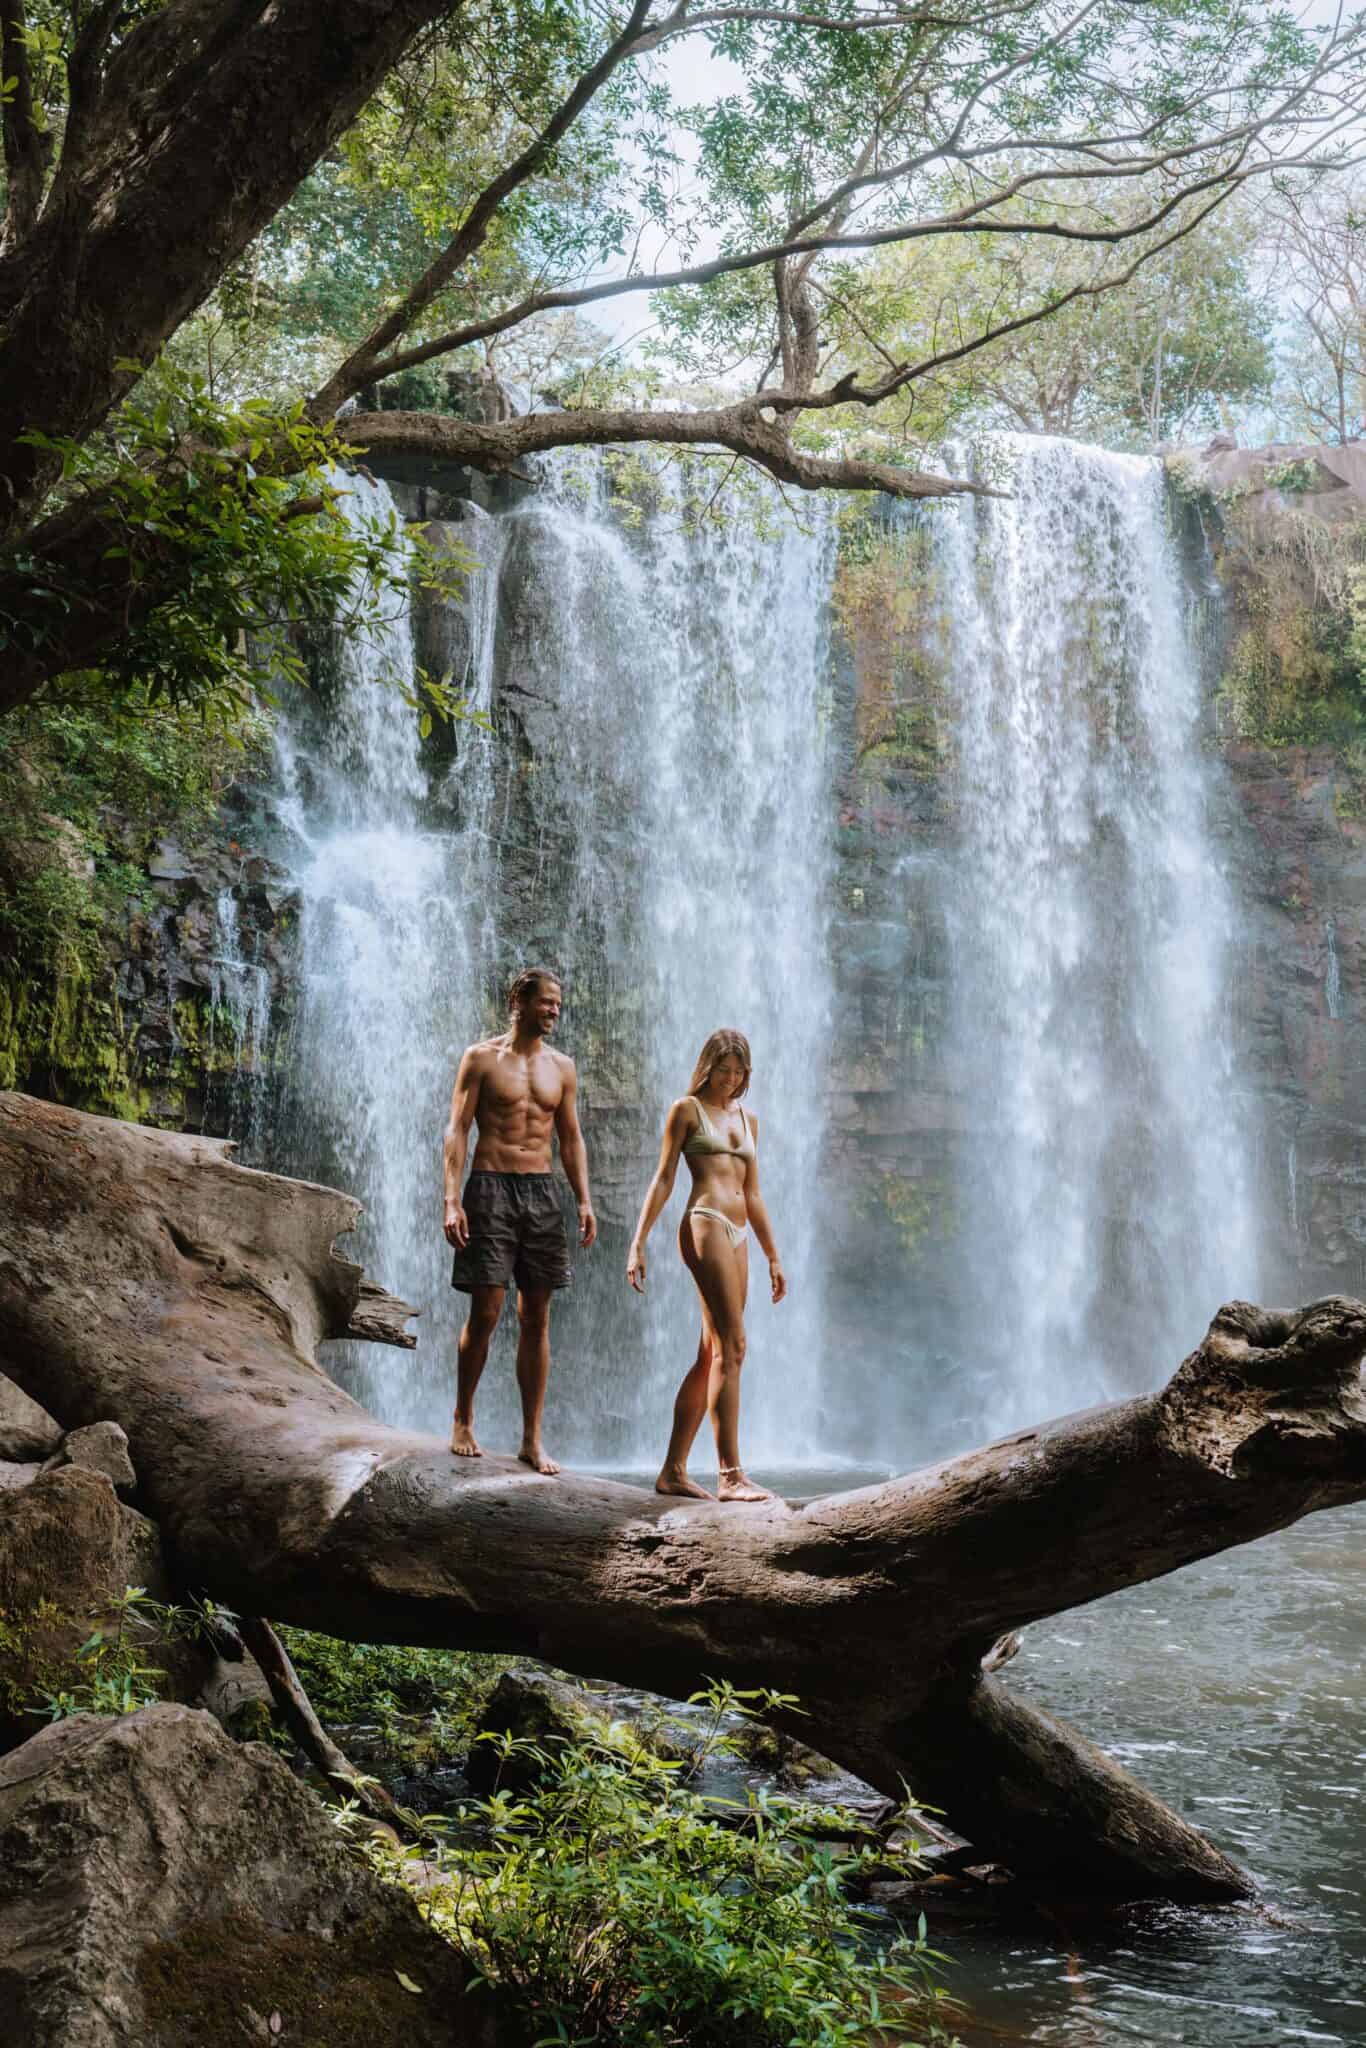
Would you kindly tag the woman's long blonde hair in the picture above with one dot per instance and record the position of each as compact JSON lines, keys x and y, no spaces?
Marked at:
{"x":722,"y":1045}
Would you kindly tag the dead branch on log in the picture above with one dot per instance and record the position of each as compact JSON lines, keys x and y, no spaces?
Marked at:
{"x":296,"y":1708}
{"x":145,"y":1277}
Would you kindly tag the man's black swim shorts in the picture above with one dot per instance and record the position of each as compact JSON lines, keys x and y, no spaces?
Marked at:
{"x":517,"y":1235}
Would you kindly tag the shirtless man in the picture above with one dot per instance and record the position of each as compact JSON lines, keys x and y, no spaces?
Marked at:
{"x":508,"y":1226}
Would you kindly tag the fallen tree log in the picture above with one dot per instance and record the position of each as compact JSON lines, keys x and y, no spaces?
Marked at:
{"x":147,"y":1279}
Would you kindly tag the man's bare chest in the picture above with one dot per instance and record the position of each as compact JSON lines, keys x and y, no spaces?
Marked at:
{"x":509,"y":1096}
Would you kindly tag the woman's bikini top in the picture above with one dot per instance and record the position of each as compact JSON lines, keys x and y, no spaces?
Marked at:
{"x":706,"y":1138}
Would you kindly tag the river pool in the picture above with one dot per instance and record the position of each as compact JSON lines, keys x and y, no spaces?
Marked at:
{"x":1237,"y":1691}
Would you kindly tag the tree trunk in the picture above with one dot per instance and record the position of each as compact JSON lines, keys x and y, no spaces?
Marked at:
{"x":147,"y":1279}
{"x":209,"y":118}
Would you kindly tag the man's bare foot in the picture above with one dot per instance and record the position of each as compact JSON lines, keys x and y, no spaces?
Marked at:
{"x":533,"y":1455}
{"x":735,"y":1486}
{"x":462,"y":1441}
{"x":670,"y":1481}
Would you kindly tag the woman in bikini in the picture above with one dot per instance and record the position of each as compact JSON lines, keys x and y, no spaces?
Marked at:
{"x":719,"y":1140}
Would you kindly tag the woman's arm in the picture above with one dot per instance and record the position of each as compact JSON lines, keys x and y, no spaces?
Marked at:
{"x":676,"y":1127}
{"x":758,"y":1216}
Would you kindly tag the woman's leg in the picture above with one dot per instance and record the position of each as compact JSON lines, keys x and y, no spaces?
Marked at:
{"x":690,"y":1405}
{"x":721,"y":1271}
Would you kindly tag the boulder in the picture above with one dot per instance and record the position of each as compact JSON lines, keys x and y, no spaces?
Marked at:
{"x":532,"y":1708}
{"x":100,"y":1447}
{"x":161,"y":1884}
{"x":27,"y":1432}
{"x":69,"y":1549}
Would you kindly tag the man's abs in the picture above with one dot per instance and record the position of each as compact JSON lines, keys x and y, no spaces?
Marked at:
{"x":515,"y":1134}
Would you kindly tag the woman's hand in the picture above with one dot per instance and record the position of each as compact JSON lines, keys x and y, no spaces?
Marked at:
{"x":635,"y":1267}
{"x":778,"y":1277}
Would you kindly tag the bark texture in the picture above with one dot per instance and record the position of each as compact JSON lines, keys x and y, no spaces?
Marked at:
{"x":179,"y":150}
{"x":146,"y":1278}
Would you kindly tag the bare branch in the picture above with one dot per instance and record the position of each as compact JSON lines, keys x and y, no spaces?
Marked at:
{"x":359,"y":367}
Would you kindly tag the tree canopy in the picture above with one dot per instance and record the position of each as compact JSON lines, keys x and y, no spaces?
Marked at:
{"x":226,"y":222}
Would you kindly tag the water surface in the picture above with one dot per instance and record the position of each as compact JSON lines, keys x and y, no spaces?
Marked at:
{"x":1236,"y":1690}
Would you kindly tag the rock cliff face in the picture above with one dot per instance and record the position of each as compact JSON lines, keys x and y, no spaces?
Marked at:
{"x":179,"y":1021}
{"x":193,"y":1026}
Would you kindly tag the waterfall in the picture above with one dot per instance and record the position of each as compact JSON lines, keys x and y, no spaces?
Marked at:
{"x":651,"y":819}
{"x":391,"y":952}
{"x":1332,"y":979}
{"x":672,"y":678}
{"x":645,"y":805}
{"x":1104,"y":1174}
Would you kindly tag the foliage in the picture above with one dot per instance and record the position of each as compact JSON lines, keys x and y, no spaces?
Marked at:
{"x":242,"y":506}
{"x":1295,"y":674}
{"x":379,"y":1681}
{"x":84,"y":786}
{"x":614,"y":1906}
{"x":1163,"y":355}
{"x":118,"y":1679}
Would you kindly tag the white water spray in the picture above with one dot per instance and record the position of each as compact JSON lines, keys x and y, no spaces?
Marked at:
{"x":1108,"y":1198}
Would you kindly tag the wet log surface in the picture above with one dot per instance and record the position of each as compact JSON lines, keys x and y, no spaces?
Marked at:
{"x":147,"y":1279}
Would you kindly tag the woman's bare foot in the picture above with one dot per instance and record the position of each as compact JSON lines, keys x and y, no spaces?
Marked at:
{"x":670,"y":1481}
{"x":735,"y":1486}
{"x":533,"y":1455}
{"x":462,"y":1441}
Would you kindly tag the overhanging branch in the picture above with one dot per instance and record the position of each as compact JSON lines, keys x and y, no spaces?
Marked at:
{"x":741,"y":428}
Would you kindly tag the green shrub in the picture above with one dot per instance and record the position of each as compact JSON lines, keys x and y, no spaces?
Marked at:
{"x":115,"y":1674}
{"x":376,"y":1681}
{"x":612,"y":1906}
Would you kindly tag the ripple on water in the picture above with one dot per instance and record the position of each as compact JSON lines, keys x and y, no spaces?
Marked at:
{"x":1237,"y":1691}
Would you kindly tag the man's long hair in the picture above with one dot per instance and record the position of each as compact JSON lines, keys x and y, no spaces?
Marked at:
{"x":526,"y":986}
{"x":722,"y":1045}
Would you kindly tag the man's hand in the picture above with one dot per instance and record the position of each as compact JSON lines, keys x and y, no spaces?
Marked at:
{"x":457,"y":1225}
{"x":588,"y":1225}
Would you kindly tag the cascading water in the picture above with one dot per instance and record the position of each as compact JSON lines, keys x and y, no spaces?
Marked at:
{"x":1104,"y":1179}
{"x":391,"y":938}
{"x":672,"y":681}
{"x":652,"y":821}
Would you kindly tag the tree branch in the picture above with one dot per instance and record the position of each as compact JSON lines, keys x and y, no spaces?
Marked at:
{"x":146,"y":1279}
{"x":358,"y":369}
{"x":26,"y":145}
{"x":742,"y":428}
{"x":972,"y":217}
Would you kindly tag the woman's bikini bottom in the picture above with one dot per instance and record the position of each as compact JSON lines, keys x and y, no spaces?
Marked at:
{"x":735,"y":1231}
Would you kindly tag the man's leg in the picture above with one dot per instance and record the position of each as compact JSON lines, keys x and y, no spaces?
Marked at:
{"x":533,"y":1370}
{"x":486,"y":1305}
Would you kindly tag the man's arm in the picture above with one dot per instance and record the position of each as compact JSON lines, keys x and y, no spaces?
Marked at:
{"x":574,"y":1153}
{"x":464,"y":1104}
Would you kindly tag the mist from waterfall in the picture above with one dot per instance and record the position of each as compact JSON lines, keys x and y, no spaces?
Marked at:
{"x":652,"y":820}
{"x":1107,"y":1203}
